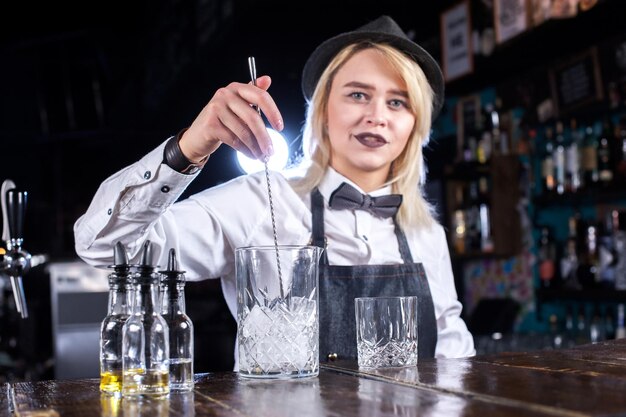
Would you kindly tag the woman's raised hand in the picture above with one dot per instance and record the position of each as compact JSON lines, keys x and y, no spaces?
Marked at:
{"x":230,"y":118}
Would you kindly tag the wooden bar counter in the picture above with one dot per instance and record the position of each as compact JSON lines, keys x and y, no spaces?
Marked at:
{"x":589,"y":380}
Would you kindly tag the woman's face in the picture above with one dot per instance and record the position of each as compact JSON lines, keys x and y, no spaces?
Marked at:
{"x":369,"y":121}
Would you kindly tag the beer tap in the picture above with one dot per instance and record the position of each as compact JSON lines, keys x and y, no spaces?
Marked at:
{"x":15,"y":262}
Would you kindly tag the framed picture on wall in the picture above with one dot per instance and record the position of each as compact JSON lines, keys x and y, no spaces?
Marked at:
{"x":576,"y":82}
{"x":510,"y":18}
{"x":456,"y":41}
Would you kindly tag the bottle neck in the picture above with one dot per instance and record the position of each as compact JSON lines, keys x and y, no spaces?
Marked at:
{"x":173,"y":299}
{"x":120,"y":292}
{"x":145,"y":297}
{"x":120,"y":298}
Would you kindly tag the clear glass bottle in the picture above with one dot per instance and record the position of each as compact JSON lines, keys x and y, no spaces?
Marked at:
{"x":180,"y":326}
{"x":120,"y":302}
{"x":146,"y":336}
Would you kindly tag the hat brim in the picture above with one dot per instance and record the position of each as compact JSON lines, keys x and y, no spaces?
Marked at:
{"x":324,"y":53}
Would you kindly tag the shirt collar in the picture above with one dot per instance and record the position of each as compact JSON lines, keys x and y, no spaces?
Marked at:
{"x":332,"y":179}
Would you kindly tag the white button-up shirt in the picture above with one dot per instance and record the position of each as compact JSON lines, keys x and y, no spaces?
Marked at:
{"x":137,"y":203}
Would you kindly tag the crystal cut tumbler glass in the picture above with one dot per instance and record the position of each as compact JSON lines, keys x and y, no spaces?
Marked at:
{"x":386,"y":331}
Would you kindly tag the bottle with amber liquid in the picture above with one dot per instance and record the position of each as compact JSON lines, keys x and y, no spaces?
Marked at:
{"x":146,"y":337}
{"x":459,"y":223}
{"x":172,"y":294}
{"x":547,"y":259}
{"x":120,"y":301}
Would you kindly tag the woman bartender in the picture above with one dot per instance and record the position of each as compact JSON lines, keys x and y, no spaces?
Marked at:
{"x":372,"y":94}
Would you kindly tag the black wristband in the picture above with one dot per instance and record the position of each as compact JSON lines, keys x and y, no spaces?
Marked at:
{"x":175,"y":159}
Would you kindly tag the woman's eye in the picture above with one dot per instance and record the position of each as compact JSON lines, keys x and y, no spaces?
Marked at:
{"x":357,"y":95}
{"x":397,"y":103}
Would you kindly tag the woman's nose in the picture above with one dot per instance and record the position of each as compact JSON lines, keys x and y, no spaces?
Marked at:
{"x":375,"y":115}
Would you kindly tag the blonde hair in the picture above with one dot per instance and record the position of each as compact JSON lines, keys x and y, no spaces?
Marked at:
{"x":408,"y":173}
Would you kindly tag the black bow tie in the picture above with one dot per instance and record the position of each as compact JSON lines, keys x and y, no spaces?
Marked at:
{"x":348,"y":197}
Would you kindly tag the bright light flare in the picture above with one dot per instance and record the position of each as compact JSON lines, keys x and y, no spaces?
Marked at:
{"x":277,"y":162}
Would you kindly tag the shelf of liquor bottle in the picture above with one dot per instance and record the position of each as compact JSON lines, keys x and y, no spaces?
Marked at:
{"x":587,"y":294}
{"x":596,"y":195}
{"x":565,"y":36}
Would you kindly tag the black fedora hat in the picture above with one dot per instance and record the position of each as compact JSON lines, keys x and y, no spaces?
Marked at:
{"x":383,"y":30}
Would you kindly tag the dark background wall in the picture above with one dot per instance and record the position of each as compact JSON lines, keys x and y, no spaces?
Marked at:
{"x":87,"y":88}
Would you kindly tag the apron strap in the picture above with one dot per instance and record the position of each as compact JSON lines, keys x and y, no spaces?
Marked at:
{"x":318,"y":235}
{"x":403,"y":244}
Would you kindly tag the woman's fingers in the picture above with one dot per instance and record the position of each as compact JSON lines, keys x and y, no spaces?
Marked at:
{"x":241,"y":129}
{"x":230,"y":118}
{"x":265,"y":102}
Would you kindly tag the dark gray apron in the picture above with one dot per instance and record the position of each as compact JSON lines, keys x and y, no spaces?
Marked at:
{"x":339,"y":285}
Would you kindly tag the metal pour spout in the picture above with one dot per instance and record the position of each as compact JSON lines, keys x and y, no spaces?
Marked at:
{"x":15,"y":262}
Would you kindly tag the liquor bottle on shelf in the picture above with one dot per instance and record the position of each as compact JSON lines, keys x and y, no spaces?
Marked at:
{"x":569,"y":260}
{"x":120,"y":301}
{"x":573,"y":180}
{"x":582,"y":327}
{"x":486,"y":146}
{"x":146,"y":336}
{"x":589,"y":268}
{"x":486,"y":237}
{"x":472,"y":218}
{"x":620,"y":249}
{"x":547,"y":164}
{"x":547,"y":259}
{"x":555,"y":332}
{"x":496,"y":118}
{"x":469,"y":148}
{"x":459,"y":225}
{"x":607,"y":256}
{"x":620,"y":151}
{"x":589,"y":160}
{"x":470,"y":133}
{"x":597,"y":331}
{"x":605,"y":166}
{"x":179,"y":325}
{"x":559,"y":159}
